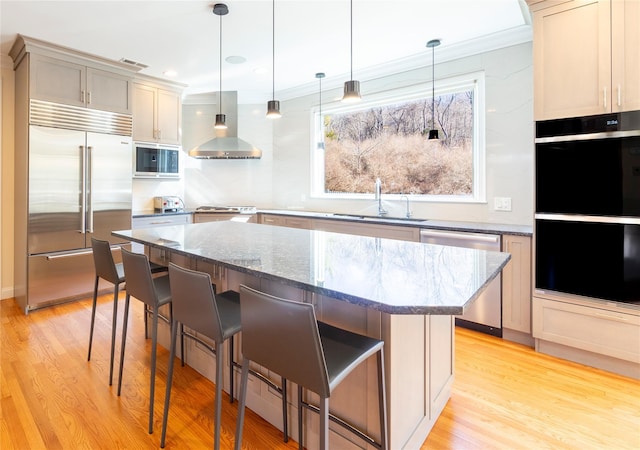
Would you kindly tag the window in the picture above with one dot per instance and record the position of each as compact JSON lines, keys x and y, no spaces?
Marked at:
{"x":385,"y":137}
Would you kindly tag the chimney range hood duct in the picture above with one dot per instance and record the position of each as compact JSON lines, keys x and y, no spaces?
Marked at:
{"x":226,"y":144}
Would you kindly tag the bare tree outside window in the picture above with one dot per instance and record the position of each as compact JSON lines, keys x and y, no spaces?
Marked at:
{"x":390,"y":142}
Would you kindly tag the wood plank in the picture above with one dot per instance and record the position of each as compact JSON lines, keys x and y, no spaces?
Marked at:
{"x":505,"y":395}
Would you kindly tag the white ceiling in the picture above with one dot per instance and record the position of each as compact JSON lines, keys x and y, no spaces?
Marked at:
{"x":311,"y":36}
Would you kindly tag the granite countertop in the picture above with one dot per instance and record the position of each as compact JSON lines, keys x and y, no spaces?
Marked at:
{"x":448,"y":225}
{"x":153,"y":213}
{"x":392,"y":276}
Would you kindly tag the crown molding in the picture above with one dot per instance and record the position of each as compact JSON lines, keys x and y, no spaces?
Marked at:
{"x":495,"y":41}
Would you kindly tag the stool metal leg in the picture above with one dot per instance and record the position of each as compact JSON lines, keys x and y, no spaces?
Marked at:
{"x":167,"y":397}
{"x":300,"y":419}
{"x":152,"y":382}
{"x":324,"y":423}
{"x":93,"y":317}
{"x":244,"y":379}
{"x":231,"y":377}
{"x":114,"y":322}
{"x":124,"y":340}
{"x":285,"y":421}
{"x":219,"y":381}
{"x":382,"y":396}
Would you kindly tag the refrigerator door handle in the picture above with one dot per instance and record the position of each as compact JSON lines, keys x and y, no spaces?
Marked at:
{"x":89,"y":188}
{"x":83,"y":200}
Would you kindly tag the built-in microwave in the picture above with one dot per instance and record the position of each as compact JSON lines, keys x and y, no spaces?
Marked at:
{"x":151,"y":160}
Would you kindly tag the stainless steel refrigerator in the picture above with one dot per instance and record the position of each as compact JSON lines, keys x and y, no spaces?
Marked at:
{"x":79,"y":186}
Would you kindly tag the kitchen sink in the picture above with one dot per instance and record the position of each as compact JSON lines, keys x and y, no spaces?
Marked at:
{"x":379,"y":218}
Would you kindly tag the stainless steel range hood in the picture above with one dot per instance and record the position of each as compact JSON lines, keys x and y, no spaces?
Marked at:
{"x":221,"y":144}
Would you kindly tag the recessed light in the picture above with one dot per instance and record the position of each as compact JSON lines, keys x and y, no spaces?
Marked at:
{"x":235,"y":59}
{"x":170,"y":73}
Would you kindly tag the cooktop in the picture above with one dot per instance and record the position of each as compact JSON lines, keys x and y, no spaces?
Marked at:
{"x":228,"y":209}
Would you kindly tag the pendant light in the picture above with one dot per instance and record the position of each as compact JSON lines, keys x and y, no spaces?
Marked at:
{"x":273,"y":106}
{"x":433,"y":133}
{"x":351,"y":87}
{"x":320,"y":76}
{"x":220,"y":9}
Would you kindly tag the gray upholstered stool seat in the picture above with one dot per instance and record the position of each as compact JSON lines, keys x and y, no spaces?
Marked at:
{"x":285,"y":337}
{"x":154,"y":292}
{"x":109,"y":271}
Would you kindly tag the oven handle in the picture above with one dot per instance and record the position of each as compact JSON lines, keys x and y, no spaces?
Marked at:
{"x":594,"y":219}
{"x":588,"y":136}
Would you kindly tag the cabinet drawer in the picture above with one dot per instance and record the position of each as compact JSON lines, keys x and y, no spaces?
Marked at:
{"x":611,"y":333}
{"x":160,"y":220}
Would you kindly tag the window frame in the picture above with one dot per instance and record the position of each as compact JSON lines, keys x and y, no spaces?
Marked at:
{"x":472,"y":81}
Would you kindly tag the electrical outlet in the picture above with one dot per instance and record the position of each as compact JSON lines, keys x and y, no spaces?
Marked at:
{"x":502,"y":203}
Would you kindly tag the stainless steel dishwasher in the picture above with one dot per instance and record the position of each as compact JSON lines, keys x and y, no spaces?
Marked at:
{"x":485,"y":313}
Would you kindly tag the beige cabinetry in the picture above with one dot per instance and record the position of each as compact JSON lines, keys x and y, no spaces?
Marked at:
{"x":156,"y":113}
{"x":516,"y":289}
{"x":286,"y":221}
{"x":586,"y":58}
{"x":596,"y":333}
{"x":73,"y":82}
{"x":368,"y":229}
{"x":160,"y":220}
{"x":217,"y":217}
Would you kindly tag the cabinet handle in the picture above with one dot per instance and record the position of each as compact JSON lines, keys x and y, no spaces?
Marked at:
{"x":82,"y":96}
{"x":160,"y":223}
{"x":605,"y":97}
{"x":88,"y":97}
{"x":619,"y":96}
{"x":159,"y":134}
{"x":612,"y":317}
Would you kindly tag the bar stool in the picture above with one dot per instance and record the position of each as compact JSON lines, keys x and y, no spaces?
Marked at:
{"x":154,"y":293}
{"x":217,"y":316}
{"x":109,"y":271}
{"x":285,"y":337}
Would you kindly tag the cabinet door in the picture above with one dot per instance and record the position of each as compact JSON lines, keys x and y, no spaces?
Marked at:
{"x":516,"y":284}
{"x":625,"y":45}
{"x":572,"y":59}
{"x":108,"y":91}
{"x":57,"y":81}
{"x":168,"y":117}
{"x":144,"y":107}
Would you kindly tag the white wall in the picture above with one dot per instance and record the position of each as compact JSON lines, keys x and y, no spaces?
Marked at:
{"x":281,"y":179}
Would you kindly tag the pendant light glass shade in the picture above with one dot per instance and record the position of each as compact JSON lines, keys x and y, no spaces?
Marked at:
{"x":221,"y":122}
{"x":351,"y":87}
{"x":273,"y":109}
{"x":433,"y":133}
{"x":273,"y":106}
{"x":220,"y":9}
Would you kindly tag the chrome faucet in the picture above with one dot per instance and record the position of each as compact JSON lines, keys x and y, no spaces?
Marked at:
{"x":408,"y":214}
{"x":381,"y":210}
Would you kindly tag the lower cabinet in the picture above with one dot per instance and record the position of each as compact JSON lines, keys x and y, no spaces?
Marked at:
{"x":516,"y":290}
{"x":597,"y":333}
{"x":159,"y":220}
{"x":368,"y":229}
{"x":217,"y":217}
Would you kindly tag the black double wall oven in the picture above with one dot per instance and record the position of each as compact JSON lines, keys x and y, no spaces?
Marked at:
{"x":587,"y":220}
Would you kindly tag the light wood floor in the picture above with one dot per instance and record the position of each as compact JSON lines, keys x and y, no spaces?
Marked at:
{"x":505,"y":395}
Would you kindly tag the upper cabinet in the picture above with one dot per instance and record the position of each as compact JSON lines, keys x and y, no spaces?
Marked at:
{"x":61,"y":75}
{"x":586,"y":58}
{"x":60,"y":81}
{"x":156,"y":113}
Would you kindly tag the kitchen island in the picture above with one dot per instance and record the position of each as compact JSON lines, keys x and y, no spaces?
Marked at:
{"x":405,"y":293}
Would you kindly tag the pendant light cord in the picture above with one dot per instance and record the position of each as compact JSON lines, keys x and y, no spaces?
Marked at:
{"x":273,"y":49}
{"x":220,"y":99}
{"x":351,"y":37}
{"x":433,"y":88}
